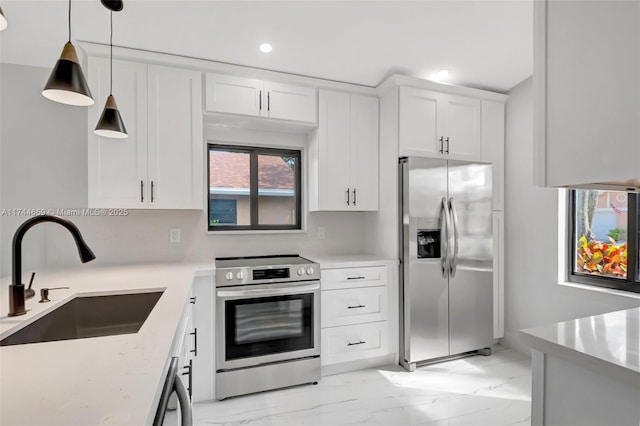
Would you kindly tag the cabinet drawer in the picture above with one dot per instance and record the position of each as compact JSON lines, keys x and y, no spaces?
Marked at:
{"x":354,"y":277}
{"x":354,"y":342}
{"x":353,"y":306}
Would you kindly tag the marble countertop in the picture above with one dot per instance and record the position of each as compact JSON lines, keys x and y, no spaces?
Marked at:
{"x":111,"y":380}
{"x":608,"y":342}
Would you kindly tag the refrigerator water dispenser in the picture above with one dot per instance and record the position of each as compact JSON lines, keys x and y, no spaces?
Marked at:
{"x":428,"y":243}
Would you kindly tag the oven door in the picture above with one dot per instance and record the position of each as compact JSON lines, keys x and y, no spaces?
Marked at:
{"x":259,"y":324}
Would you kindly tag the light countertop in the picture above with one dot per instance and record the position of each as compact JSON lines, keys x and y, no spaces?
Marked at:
{"x":111,"y":380}
{"x":350,"y":261}
{"x":609,"y":342}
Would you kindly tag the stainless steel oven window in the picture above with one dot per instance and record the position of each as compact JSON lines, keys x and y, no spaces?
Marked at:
{"x":259,"y":322}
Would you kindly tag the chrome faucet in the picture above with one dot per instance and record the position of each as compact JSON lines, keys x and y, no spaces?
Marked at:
{"x":16,"y":289}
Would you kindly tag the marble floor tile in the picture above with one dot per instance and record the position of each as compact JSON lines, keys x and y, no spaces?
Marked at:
{"x":492,"y":391}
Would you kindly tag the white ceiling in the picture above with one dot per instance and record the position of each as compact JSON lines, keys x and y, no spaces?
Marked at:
{"x":485,"y":44}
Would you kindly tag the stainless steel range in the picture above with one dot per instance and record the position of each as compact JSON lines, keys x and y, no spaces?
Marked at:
{"x":267,"y":323}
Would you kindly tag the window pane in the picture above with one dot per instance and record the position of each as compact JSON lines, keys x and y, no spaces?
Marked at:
{"x":601,"y":233}
{"x":229,"y":188}
{"x":277,"y":189}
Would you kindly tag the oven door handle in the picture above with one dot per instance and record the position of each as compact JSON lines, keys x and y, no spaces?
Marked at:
{"x":269,"y":291}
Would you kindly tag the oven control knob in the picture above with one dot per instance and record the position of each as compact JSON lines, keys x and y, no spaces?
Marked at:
{"x":300,"y":271}
{"x":240,"y":275}
{"x":310,"y":270}
{"x":229,"y":275}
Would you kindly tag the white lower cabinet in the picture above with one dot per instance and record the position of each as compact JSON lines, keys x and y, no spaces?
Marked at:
{"x":353,"y":306}
{"x":354,"y":342}
{"x":355,"y":309}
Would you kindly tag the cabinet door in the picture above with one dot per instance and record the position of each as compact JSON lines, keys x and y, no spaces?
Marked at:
{"x":176,"y":147}
{"x":234,"y":95}
{"x":288,"y":102}
{"x":334,"y":151}
{"x":493,"y":147}
{"x":118,"y":167}
{"x":364,"y":153}
{"x":353,"y":306}
{"x":585,"y":116}
{"x":461,"y":127}
{"x":354,"y":342}
{"x":418,"y":123}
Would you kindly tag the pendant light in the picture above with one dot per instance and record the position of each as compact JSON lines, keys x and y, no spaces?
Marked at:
{"x":110,"y":124}
{"x":3,"y":20}
{"x":67,"y":84}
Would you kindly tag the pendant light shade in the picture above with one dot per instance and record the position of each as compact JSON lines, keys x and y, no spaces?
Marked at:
{"x":3,"y":20}
{"x":67,"y":84}
{"x":110,"y":124}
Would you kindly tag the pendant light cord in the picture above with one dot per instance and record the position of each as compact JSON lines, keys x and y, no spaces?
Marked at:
{"x":111,"y":55}
{"x":69,"y":21}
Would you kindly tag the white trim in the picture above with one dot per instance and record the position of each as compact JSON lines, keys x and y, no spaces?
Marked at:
{"x":563,"y":268}
{"x":245,"y":191}
{"x":259,"y":231}
{"x":610,"y":291}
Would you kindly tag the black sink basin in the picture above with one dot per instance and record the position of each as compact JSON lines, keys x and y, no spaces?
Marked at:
{"x":91,"y":316}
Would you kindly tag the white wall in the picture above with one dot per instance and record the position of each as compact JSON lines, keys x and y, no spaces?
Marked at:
{"x":532,"y":295}
{"x":43,"y":164}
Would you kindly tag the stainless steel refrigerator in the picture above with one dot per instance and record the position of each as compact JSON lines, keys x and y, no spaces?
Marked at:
{"x":446,"y":254}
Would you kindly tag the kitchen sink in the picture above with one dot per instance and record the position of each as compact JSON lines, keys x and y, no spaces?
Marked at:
{"x":90,"y":316}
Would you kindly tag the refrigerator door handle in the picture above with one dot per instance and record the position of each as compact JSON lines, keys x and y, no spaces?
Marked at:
{"x":453,"y":266}
{"x":444,"y":258}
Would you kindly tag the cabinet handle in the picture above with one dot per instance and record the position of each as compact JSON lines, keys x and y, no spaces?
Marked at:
{"x":142,"y":191}
{"x":192,"y":300}
{"x":360,"y":342}
{"x":356,"y":307}
{"x":354,"y":196}
{"x":152,"y":191}
{"x":347,"y":196}
{"x":441,"y":144}
{"x":447,"y":141}
{"x":189,"y":372}
{"x":260,"y":101}
{"x":195,"y":342}
{"x":268,"y":101}
{"x":356,"y":278}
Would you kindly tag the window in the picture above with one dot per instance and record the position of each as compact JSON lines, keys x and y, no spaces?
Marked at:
{"x":603,"y":241}
{"x":254,"y":188}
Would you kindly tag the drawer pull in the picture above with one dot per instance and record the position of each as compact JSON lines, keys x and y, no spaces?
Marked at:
{"x":356,"y":307}
{"x":360,"y":342}
{"x":356,"y":278}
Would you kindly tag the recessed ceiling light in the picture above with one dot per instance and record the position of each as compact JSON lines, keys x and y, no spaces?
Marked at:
{"x":266,"y":47}
{"x":443,"y":74}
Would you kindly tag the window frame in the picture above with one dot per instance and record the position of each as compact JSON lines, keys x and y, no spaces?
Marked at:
{"x":630,"y":284}
{"x":254,"y":152}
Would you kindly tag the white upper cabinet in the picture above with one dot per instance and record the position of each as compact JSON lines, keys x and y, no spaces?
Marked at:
{"x":160,"y":164}
{"x":176,"y":147}
{"x":251,"y":97}
{"x":439,"y":125}
{"x":118,"y":167}
{"x":586,"y":93}
{"x":344,"y":156}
